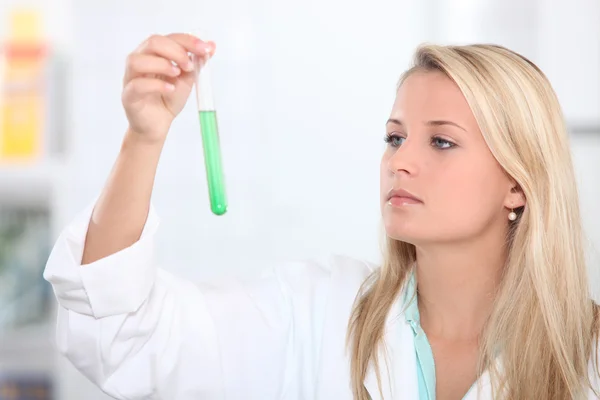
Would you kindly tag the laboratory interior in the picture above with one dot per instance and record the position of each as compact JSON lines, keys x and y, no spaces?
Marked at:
{"x":302,"y":91}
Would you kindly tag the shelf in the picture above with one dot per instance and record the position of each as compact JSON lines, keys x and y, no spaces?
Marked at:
{"x":590,"y":128}
{"x":28,"y":185}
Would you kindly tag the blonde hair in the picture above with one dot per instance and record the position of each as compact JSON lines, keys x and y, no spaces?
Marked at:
{"x":543,"y":326}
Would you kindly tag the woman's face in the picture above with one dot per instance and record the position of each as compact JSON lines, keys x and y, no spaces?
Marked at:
{"x":436,"y":153}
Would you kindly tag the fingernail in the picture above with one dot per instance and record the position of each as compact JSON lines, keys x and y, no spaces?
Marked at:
{"x":170,"y":87}
{"x":189,"y":66}
{"x":210,"y":48}
{"x":176,"y":70}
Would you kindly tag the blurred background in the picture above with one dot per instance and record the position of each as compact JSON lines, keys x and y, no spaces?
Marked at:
{"x":303,"y":89}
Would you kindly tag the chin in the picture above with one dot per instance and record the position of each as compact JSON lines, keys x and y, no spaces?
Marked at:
{"x":402,"y":231}
{"x":410,"y":239}
{"x":399,"y":223}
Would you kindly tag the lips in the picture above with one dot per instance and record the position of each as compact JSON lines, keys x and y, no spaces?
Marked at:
{"x":402,"y":197}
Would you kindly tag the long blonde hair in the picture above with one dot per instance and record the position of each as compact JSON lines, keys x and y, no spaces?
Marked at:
{"x":543,"y":326}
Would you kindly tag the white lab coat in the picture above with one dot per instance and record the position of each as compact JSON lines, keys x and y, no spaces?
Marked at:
{"x":139,"y":332}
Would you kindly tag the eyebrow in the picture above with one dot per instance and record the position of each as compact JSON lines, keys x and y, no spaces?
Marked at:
{"x":428,"y":123}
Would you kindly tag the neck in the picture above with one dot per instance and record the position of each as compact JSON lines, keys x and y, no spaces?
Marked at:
{"x":456,"y":285}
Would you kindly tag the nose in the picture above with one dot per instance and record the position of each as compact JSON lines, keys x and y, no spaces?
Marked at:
{"x":405,"y":159}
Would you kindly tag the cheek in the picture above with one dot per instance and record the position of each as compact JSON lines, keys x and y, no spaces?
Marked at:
{"x":467,"y":192}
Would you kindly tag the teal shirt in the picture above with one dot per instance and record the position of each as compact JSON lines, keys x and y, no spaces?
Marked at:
{"x":425,"y":361}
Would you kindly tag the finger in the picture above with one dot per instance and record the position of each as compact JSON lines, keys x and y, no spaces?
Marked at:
{"x":147,"y":64}
{"x":193,"y":44}
{"x":167,"y":48}
{"x":141,"y":87}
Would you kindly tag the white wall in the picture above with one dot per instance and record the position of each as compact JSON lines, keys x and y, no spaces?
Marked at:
{"x":302,"y":95}
{"x":287,"y":84}
{"x":569,"y":52}
{"x":302,"y":90}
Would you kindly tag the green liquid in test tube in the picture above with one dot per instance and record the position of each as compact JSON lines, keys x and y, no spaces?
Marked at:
{"x":210,"y":137}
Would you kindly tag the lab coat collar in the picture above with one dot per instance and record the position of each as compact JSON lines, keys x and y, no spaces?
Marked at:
{"x":481,"y":390}
{"x":397,"y":359}
{"x":398,"y":363}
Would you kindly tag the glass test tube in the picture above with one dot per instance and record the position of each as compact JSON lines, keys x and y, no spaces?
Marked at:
{"x":210,"y":135}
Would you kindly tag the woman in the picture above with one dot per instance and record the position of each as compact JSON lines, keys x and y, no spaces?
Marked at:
{"x":483,"y":291}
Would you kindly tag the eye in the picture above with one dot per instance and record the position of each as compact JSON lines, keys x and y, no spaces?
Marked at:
{"x":393,"y":139}
{"x":441,"y":144}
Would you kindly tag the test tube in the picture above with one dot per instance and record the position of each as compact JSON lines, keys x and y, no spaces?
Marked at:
{"x":209,"y":130}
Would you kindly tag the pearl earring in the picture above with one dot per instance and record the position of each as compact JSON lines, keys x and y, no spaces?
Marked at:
{"x":512,"y":216}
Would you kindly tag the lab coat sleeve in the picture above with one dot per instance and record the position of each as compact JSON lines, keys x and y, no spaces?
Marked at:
{"x":139,"y":332}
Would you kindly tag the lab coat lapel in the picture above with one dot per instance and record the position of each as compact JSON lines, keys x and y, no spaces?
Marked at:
{"x":399,"y":376}
{"x":481,"y":390}
{"x":397,"y":361}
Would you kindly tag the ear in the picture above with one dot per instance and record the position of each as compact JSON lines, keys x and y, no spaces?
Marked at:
{"x":515,"y":198}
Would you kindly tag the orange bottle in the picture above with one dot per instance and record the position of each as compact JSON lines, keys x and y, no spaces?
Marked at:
{"x":22,"y":97}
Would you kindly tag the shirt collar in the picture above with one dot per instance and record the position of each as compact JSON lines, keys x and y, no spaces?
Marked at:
{"x":411,"y":308}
